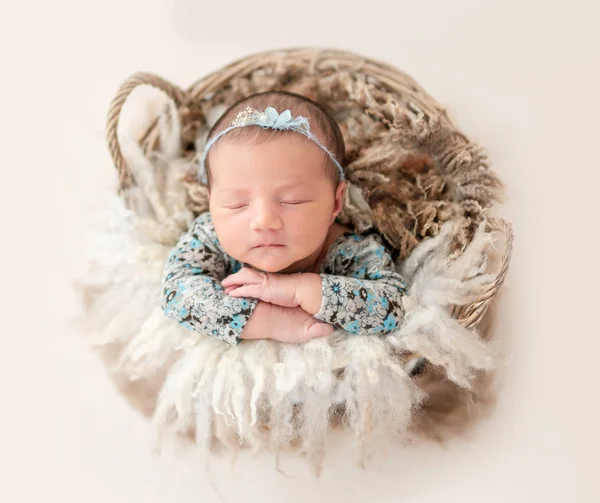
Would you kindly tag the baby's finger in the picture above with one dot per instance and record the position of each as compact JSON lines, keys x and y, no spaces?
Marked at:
{"x":319,"y":330}
{"x":253,"y":291}
{"x":232,"y":279}
{"x":243,"y":276}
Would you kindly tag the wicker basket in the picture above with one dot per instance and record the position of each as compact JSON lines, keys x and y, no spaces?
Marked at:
{"x":193,"y":102}
{"x":390,"y":125}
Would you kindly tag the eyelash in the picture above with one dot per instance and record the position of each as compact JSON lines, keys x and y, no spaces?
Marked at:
{"x":291,"y":203}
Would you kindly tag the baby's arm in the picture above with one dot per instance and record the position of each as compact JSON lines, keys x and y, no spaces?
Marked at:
{"x":364,"y":298}
{"x":192,"y":293}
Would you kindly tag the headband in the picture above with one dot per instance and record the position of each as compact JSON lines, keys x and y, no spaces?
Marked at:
{"x":269,"y":119}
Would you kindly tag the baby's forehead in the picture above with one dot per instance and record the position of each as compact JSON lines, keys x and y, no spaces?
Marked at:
{"x":282,"y":161}
{"x":232,"y":186}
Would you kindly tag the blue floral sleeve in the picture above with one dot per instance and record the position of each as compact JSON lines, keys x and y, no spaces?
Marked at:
{"x":362,"y":292}
{"x":192,"y":293}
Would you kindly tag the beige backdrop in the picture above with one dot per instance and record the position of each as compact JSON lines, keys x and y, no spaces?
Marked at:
{"x":521,"y":77}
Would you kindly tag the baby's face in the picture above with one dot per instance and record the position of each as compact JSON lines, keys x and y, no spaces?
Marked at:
{"x":271,"y":203}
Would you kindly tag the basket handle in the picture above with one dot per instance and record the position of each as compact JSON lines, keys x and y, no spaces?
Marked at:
{"x":471,"y":315}
{"x":112,"y":122}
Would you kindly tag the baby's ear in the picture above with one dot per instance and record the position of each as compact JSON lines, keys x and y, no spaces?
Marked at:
{"x":340,"y":194}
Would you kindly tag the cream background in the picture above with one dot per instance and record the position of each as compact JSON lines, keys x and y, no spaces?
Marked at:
{"x":520,"y":77}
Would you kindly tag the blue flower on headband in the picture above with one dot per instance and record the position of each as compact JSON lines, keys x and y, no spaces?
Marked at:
{"x":271,"y":119}
{"x":275,"y":120}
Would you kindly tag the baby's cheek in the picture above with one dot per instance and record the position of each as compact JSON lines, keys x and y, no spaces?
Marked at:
{"x":310,"y":232}
{"x":232,"y":239}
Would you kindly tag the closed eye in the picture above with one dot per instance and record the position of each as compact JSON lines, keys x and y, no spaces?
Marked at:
{"x":294,"y":203}
{"x":236,"y":206}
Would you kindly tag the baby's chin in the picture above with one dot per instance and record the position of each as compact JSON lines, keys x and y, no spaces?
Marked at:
{"x":270,"y":261}
{"x":271,"y":264}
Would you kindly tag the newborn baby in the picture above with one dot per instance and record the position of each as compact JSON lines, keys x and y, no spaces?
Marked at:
{"x":268,"y":260}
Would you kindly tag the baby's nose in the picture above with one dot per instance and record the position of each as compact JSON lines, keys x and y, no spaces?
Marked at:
{"x":266,"y":217}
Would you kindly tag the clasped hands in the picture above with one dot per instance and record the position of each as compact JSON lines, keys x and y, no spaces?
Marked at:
{"x":280,"y":289}
{"x":289,"y":302}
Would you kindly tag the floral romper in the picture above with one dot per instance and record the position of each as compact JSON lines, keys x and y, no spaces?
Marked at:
{"x":362,"y":292}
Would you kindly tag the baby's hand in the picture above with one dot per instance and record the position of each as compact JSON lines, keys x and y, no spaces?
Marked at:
{"x":278,"y":289}
{"x":284,"y":324}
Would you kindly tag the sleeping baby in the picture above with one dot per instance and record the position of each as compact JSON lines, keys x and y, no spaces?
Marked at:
{"x":269,"y":260}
